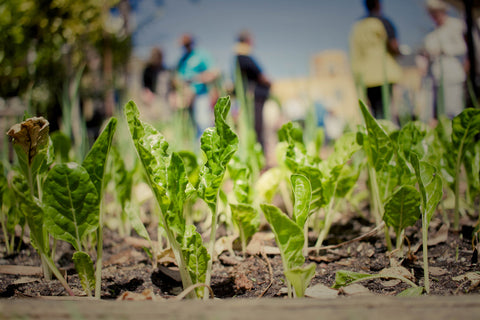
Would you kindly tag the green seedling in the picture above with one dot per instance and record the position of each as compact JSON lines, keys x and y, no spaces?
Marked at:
{"x":95,"y":164}
{"x":290,"y":240}
{"x":402,"y":210}
{"x":166,"y":174}
{"x":219,"y":144}
{"x":465,"y":127}
{"x":431,"y":190}
{"x":344,"y":278}
{"x":32,"y":146}
{"x":245,"y":216}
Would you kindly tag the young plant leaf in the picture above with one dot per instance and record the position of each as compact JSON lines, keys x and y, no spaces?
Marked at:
{"x":411,"y":292}
{"x":402,"y":209}
{"x":71,"y":203}
{"x":430,"y":185}
{"x":344,"y":278}
{"x":219,"y":145}
{"x":465,"y":127}
{"x":196,"y":256}
{"x":288,"y":235}
{"x":302,"y":191}
{"x":379,"y":147}
{"x":136,"y":222}
{"x":247,"y":220}
{"x":84,"y":266}
{"x":96,"y":159}
{"x":300,"y":278}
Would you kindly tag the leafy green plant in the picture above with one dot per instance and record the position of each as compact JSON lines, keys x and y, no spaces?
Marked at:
{"x":219,"y":144}
{"x":290,"y":240}
{"x":402,"y":210}
{"x":166,"y":174}
{"x":465,"y":127}
{"x":431,"y":190}
{"x":31,"y":143}
{"x":344,"y":278}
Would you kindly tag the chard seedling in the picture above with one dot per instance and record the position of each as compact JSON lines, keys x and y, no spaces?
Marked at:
{"x":219,"y":144}
{"x":168,"y":180}
{"x":431,"y":190}
{"x":290,"y":240}
{"x":244,"y":215}
{"x":402,"y":210}
{"x":386,"y":166}
{"x":465,"y":127}
{"x":95,"y":164}
{"x":344,"y":278}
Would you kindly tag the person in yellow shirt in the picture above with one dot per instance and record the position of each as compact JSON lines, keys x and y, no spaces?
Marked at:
{"x":373,"y":49}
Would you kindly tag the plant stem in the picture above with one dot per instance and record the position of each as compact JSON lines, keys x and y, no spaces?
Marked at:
{"x":56,"y":272}
{"x":456,"y":218}
{"x":211,"y":249}
{"x":425,"y":253}
{"x":98,"y":263}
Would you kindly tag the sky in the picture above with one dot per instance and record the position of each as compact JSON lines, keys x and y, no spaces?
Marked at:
{"x":287,"y":32}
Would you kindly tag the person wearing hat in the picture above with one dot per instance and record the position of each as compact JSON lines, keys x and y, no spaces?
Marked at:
{"x":196,"y":69}
{"x":446,"y":51}
{"x":373,"y":51}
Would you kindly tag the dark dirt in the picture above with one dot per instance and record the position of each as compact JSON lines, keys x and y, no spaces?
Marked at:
{"x":128,"y":268}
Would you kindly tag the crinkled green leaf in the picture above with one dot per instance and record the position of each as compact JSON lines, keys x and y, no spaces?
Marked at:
{"x":219,"y":145}
{"x":302,"y":192}
{"x":152,"y":149}
{"x":465,"y":127}
{"x":288,"y":235}
{"x":409,"y":138}
{"x":122,"y":177}
{"x":247,"y":220}
{"x":403,"y":208}
{"x":165,"y":172}
{"x":177,"y":192}
{"x":300,"y":278}
{"x":71,"y":203}
{"x":240,"y":174}
{"x":379,"y":147}
{"x":86,"y":273}
{"x":96,"y":160}
{"x":430,"y":185}
{"x":191,"y":166}
{"x":267,"y":184}
{"x":196,"y":255}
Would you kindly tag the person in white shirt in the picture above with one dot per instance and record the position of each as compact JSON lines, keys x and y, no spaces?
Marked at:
{"x":446,"y":51}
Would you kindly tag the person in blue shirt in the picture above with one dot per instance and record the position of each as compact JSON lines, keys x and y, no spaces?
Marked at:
{"x":197,"y":72}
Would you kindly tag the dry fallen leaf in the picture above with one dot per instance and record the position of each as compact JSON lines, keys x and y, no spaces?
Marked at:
{"x":147,"y":294}
{"x":319,"y":291}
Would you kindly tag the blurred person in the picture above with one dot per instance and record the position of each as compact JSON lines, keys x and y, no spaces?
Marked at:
{"x":446,"y":51}
{"x":151,"y":74}
{"x":373,"y":49}
{"x":254,"y":80}
{"x":196,"y":73}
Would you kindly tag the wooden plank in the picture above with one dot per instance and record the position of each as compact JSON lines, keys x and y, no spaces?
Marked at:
{"x":372,"y":308}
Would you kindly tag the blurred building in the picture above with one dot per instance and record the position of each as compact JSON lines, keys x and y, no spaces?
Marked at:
{"x":329,"y":85}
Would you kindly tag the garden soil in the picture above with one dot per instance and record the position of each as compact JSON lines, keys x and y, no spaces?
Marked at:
{"x":129,"y":274}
